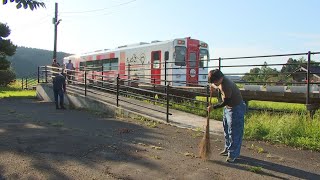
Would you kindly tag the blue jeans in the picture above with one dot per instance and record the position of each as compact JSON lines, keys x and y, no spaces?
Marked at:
{"x":233,"y":124}
{"x":58,"y":93}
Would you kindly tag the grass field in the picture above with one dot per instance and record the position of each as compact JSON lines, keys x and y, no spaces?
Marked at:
{"x":14,"y":90}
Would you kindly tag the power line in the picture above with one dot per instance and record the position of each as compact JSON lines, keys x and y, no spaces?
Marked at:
{"x":95,"y":10}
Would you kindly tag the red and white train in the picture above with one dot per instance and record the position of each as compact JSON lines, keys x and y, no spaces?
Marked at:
{"x":186,"y":61}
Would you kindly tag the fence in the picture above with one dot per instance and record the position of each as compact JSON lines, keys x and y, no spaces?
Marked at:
{"x":29,"y":82}
{"x":140,"y":82}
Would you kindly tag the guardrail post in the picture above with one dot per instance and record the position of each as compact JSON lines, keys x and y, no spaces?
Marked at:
{"x":85,"y":83}
{"x":26,"y":83}
{"x":118,"y":90}
{"x":102,"y":76}
{"x":308,"y":105}
{"x":128,"y":72}
{"x":219,"y":63}
{"x":165,"y":72}
{"x":38,"y":74}
{"x":46,"y":73}
{"x":167,"y":114}
{"x":308,"y":78}
{"x":21,"y":83}
{"x":154,"y":88}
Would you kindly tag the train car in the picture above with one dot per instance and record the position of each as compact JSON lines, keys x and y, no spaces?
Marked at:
{"x":186,"y":60}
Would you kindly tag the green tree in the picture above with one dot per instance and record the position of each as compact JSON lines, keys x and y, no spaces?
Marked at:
{"x":268,"y":74}
{"x":26,"y":4}
{"x":252,"y":76}
{"x":7,"y":48}
{"x":290,"y":66}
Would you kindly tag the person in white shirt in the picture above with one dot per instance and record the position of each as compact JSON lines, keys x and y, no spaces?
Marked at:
{"x":70,"y":70}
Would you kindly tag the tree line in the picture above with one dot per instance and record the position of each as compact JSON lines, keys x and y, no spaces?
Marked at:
{"x":268,"y":74}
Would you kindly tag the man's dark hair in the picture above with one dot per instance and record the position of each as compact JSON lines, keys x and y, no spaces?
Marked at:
{"x":214,"y":75}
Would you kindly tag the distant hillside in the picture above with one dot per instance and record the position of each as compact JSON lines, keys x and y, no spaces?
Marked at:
{"x":26,"y":60}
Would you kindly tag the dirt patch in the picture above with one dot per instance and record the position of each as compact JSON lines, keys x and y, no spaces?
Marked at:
{"x":40,"y":142}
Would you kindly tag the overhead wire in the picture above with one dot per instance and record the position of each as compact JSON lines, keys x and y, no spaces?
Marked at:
{"x":96,"y":10}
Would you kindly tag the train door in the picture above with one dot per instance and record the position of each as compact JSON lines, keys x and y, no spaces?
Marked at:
{"x":192,"y":64}
{"x":156,"y":67}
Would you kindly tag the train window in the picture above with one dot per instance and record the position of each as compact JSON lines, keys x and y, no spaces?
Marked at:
{"x":89,"y":65}
{"x":97,"y":65}
{"x":204,"y":58}
{"x":114,"y":64}
{"x":110,"y":64}
{"x":106,"y":66}
{"x":156,"y":55}
{"x":166,"y":55}
{"x":82,"y":65}
{"x":192,"y":59}
{"x":180,"y":56}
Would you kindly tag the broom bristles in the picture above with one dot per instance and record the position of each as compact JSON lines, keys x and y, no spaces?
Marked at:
{"x":204,"y":145}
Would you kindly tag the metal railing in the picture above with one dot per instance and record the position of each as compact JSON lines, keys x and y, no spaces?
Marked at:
{"x":134,"y":81}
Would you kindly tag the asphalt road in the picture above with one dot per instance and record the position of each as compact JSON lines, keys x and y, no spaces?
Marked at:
{"x":39,"y":142}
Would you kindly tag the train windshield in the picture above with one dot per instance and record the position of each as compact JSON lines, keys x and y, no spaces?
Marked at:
{"x":204,"y":58}
{"x":180,"y":56}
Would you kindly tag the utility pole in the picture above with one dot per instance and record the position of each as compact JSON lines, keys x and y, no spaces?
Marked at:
{"x":55,"y":23}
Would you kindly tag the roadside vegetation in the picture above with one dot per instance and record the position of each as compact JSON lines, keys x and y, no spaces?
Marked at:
{"x":291,"y":127}
{"x":15,"y":90}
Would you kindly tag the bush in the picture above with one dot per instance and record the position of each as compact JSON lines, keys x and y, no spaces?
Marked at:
{"x":6,"y":77}
{"x":4,"y":64}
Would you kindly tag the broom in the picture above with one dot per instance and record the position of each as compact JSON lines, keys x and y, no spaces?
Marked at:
{"x":204,"y":145}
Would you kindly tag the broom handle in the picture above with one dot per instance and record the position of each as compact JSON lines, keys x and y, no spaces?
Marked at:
{"x":210,"y":107}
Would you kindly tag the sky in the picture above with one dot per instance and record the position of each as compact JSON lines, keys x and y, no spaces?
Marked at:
{"x":231,"y":28}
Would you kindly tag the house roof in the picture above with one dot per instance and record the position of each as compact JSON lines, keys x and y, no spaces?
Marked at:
{"x":315,"y":70}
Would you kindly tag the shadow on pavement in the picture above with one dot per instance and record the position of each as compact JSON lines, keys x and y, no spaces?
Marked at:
{"x":244,"y":161}
{"x":35,"y":130}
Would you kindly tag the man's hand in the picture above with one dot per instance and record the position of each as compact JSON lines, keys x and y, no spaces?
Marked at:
{"x":209,"y":108}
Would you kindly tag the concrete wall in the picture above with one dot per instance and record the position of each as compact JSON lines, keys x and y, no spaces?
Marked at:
{"x":73,"y":100}
{"x":78,"y":100}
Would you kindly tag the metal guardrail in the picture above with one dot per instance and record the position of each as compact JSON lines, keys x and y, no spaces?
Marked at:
{"x":161,"y":92}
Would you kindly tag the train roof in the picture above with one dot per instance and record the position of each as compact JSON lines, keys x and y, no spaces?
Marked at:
{"x":124,"y":47}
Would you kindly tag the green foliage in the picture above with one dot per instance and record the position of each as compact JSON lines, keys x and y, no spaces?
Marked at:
{"x":294,"y":128}
{"x":291,"y":129}
{"x":6,"y":77}
{"x":7,"y":48}
{"x":263,"y":74}
{"x":4,"y":64}
{"x":278,"y":106}
{"x":26,"y":4}
{"x":268,"y":74}
{"x":4,"y":30}
{"x":255,"y":169}
{"x":14,"y":90}
{"x":291,"y":66}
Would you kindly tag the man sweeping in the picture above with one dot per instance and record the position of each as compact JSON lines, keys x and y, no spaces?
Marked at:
{"x":233,"y":113}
